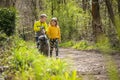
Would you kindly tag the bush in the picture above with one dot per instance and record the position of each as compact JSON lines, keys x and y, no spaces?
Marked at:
{"x":67,"y":44}
{"x":27,"y":63}
{"x":83,"y":45}
{"x":102,"y":45}
{"x":7,"y":21}
{"x":80,"y":45}
{"x":112,"y":69}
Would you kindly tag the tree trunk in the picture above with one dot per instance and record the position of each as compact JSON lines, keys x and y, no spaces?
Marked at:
{"x":52,"y":8}
{"x":110,"y":11}
{"x":7,"y":3}
{"x":118,"y":7}
{"x":96,"y":22}
{"x":84,"y":4}
{"x":111,"y":30}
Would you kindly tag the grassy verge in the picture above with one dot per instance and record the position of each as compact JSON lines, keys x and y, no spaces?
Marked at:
{"x":26,"y":63}
{"x":80,"y":45}
{"x":102,"y":45}
{"x":112,"y":70}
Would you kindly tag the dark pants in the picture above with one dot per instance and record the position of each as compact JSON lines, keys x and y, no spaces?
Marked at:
{"x":53,"y":44}
{"x":36,"y":39}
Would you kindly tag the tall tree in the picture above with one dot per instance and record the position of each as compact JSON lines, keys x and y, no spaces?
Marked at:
{"x":110,"y":10}
{"x":96,"y":22}
{"x":52,"y":7}
{"x":111,"y":30}
{"x":118,"y":6}
{"x":84,"y":4}
{"x":7,"y":3}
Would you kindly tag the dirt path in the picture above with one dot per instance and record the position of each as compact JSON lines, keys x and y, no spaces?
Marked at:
{"x":91,"y":65}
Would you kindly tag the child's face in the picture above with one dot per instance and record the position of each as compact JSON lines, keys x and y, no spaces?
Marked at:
{"x":43,"y":19}
{"x":53,"y":23}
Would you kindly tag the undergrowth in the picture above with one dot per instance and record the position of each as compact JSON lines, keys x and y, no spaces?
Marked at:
{"x":102,"y":45}
{"x":112,"y":69}
{"x":26,"y":63}
{"x":80,"y":45}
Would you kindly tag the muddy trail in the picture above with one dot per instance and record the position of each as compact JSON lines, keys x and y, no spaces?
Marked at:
{"x":89,"y":64}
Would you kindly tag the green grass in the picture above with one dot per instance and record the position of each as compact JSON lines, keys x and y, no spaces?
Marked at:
{"x":67,"y":44}
{"x":80,"y":45}
{"x":102,"y":45}
{"x":112,"y":69}
{"x":26,"y":63}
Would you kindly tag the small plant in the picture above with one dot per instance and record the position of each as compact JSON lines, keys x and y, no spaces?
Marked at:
{"x":28,"y":64}
{"x":67,"y":44}
{"x":104,"y":45}
{"x":112,"y":70}
{"x":83,"y":45}
{"x":7,"y":20}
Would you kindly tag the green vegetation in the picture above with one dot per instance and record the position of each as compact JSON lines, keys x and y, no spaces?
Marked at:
{"x":67,"y":44}
{"x":112,"y":69}
{"x":83,"y":45}
{"x":82,"y":22}
{"x":117,"y":19}
{"x":7,"y":21}
{"x":70,"y":17}
{"x":80,"y":45}
{"x":27,"y":63}
{"x":102,"y":45}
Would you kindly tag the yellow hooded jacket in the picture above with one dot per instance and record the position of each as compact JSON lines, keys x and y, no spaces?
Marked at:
{"x":39,"y":24}
{"x":54,"y":32}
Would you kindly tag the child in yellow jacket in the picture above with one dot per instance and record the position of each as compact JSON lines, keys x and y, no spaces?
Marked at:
{"x":54,"y":35}
{"x":38,"y":24}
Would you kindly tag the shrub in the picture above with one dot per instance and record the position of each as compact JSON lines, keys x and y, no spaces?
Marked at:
{"x":80,"y":45}
{"x":7,"y":20}
{"x":27,"y":63}
{"x":104,"y":45}
{"x":67,"y":44}
{"x":112,"y":69}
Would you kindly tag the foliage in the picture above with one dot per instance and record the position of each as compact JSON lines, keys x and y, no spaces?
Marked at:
{"x":112,"y":70}
{"x":102,"y":45}
{"x":67,"y":44}
{"x":3,"y":37}
{"x":80,"y":45}
{"x":76,"y":23}
{"x":83,"y":45}
{"x":72,"y":19}
{"x":28,"y":63}
{"x":117,"y":19}
{"x":7,"y":20}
